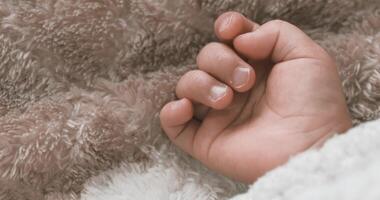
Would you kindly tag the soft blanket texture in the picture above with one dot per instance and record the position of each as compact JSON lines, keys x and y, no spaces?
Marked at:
{"x":346,"y":161}
{"x":82,"y":82}
{"x":347,"y":167}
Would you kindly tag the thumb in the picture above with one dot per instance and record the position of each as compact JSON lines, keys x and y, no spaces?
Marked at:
{"x":278,"y":41}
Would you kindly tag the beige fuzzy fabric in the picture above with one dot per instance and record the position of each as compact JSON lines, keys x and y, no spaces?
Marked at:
{"x":82,"y":81}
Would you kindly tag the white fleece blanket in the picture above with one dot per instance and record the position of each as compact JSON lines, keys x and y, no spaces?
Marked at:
{"x":346,"y":167}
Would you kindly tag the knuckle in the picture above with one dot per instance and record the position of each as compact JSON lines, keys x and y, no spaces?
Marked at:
{"x":229,"y":13}
{"x":215,"y":54}
{"x":278,"y":23}
{"x":195,"y":76}
{"x":188,"y":80}
{"x":209,"y":48}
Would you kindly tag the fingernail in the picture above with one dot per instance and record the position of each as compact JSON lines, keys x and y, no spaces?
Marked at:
{"x":218,"y":92}
{"x":226,"y":23}
{"x":240,"y":76}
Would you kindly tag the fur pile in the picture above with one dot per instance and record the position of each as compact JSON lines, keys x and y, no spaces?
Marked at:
{"x":346,"y":161}
{"x":82,"y":82}
{"x":347,"y":167}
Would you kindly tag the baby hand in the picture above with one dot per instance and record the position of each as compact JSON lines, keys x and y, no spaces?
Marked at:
{"x":261,"y":95}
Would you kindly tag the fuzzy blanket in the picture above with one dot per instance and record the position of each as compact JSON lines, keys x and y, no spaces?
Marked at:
{"x":82,"y":82}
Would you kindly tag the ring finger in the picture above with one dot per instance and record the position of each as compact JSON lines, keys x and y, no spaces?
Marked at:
{"x":202,"y":88}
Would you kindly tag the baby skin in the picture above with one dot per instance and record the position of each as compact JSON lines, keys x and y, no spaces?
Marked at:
{"x":259,"y":96}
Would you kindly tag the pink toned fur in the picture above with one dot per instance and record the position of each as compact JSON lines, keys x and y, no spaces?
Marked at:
{"x":81,"y":82}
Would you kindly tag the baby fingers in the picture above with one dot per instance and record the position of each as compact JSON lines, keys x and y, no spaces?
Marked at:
{"x":224,"y":64}
{"x":200,"y":87}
